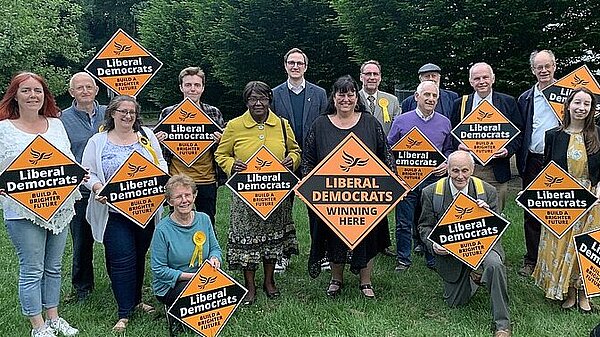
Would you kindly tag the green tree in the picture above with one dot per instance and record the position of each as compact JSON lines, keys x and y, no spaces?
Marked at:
{"x":404,"y":34}
{"x":40,"y":36}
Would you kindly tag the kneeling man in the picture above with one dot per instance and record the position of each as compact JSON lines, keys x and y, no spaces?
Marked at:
{"x":460,"y":281}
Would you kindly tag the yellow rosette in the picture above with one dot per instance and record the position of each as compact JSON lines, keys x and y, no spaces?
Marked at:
{"x":383,"y":103}
{"x":199,"y":239}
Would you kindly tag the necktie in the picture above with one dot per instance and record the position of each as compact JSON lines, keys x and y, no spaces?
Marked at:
{"x":371,"y":104}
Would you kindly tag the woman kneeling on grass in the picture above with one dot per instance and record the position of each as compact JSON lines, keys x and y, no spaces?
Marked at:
{"x":28,"y":109}
{"x":176,"y":240}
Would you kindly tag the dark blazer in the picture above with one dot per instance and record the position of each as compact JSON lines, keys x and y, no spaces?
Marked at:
{"x":525,"y":104}
{"x":555,"y":148}
{"x":448,"y":266}
{"x":315,"y":104}
{"x":508,"y":106}
{"x":444,"y":106}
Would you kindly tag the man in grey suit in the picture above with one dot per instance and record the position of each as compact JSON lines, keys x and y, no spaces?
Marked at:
{"x":300,"y":102}
{"x":380,"y":104}
{"x":460,"y":281}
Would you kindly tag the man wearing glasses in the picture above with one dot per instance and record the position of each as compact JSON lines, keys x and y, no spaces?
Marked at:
{"x":82,"y":120}
{"x":380,"y":104}
{"x":538,"y":117}
{"x":300,"y":102}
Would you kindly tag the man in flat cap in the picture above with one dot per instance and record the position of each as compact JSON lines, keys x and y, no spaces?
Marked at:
{"x":431,"y":72}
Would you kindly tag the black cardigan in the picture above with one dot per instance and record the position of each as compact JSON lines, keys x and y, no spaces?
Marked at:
{"x":555,"y":148}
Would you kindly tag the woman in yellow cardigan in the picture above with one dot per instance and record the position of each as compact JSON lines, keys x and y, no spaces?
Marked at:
{"x":252,"y":240}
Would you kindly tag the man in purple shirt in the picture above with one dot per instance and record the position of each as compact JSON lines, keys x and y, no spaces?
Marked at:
{"x":436,"y":127}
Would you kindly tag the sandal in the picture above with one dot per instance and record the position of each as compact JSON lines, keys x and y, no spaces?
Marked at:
{"x":367,"y":290}
{"x":147,"y":308}
{"x":247,"y":301}
{"x":334,"y":288}
{"x":271,"y":294}
{"x":121,"y":325}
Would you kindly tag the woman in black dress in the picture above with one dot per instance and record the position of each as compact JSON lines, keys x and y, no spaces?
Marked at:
{"x":345,"y":114}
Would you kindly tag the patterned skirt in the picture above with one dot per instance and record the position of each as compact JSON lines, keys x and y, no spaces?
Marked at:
{"x":252,"y":239}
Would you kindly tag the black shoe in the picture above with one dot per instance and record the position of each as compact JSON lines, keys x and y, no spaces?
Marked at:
{"x":334,"y":288}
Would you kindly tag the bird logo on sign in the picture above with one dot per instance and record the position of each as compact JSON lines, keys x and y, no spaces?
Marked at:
{"x":134,"y":169}
{"x":462,"y":211}
{"x":185,"y":115}
{"x":119,"y":48}
{"x":578,"y":81}
{"x":206,"y":281}
{"x":412,"y":143}
{"x":550,"y":180}
{"x":262,"y":163}
{"x":352,"y":162}
{"x":483,"y":115}
{"x":37,"y":156}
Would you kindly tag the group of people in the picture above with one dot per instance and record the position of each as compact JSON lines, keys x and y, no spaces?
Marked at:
{"x":300,"y":125}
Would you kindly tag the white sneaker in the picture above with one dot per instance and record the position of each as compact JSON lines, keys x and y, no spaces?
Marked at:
{"x":44,"y":331}
{"x":282,"y":265}
{"x":60,"y":325}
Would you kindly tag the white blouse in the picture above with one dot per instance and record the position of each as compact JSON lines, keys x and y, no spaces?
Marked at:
{"x":12,"y":143}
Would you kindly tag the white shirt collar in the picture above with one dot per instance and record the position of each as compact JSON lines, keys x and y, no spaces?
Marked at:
{"x":455,"y":190}
{"x":422,"y":116}
{"x":296,"y":89}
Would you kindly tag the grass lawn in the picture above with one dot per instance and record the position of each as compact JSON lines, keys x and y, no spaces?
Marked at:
{"x":408,"y":304}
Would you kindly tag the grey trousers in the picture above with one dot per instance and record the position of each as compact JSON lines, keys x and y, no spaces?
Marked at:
{"x":493,"y":278}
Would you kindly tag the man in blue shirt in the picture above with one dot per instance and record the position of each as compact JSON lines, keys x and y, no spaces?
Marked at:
{"x":82,"y":120}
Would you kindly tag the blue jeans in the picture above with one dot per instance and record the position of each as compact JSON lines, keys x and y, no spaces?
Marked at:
{"x":40,"y":254}
{"x":82,"y":275}
{"x":406,"y":224}
{"x":125,"y":247}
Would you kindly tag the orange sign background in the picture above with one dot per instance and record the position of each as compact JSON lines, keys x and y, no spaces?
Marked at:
{"x":208,"y":301}
{"x":123,"y":65}
{"x":260,"y":165}
{"x":465,"y":211}
{"x":191,"y":129}
{"x":485,"y":120}
{"x":41,"y":178}
{"x":428,"y":156}
{"x":351,"y":190}
{"x":553,"y":179}
{"x":121,"y":189}
{"x":557,"y":93}
{"x":588,"y":256}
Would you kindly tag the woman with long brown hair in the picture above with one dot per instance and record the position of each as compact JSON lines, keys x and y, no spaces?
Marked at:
{"x":574,"y":146}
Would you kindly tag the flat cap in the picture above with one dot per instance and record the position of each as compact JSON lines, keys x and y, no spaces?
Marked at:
{"x":429,"y":67}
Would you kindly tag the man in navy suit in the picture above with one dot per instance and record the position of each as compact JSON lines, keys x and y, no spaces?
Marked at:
{"x":497,"y":171}
{"x":538,"y":117}
{"x":300,"y":102}
{"x":431,"y":72}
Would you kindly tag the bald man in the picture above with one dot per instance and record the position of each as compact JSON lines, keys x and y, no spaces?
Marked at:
{"x":460,"y":281}
{"x":82,"y":120}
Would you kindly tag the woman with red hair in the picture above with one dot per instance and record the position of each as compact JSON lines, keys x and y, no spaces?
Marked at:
{"x":27,"y":110}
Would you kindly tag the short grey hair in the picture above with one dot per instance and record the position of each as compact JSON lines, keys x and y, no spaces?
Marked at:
{"x":536,"y":52}
{"x":422,"y":85}
{"x":481,"y":64}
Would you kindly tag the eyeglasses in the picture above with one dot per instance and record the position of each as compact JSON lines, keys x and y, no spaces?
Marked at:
{"x":296,"y":63}
{"x":126,"y":112}
{"x":254,"y":100}
{"x":371,"y":74}
{"x":541,"y":67}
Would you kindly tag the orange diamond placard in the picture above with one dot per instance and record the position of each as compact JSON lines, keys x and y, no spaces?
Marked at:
{"x":189,"y":132}
{"x":41,"y":178}
{"x":468,"y":231}
{"x":416,"y":157}
{"x":264,"y":184}
{"x":588,"y":256}
{"x":351,"y":190}
{"x":484,"y":131}
{"x":556,"y":199}
{"x":208,"y":301}
{"x":123,"y":65}
{"x":136,"y":190}
{"x":557,"y":93}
